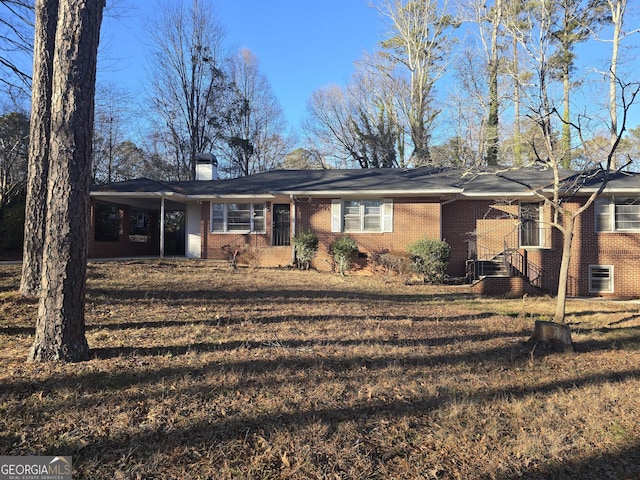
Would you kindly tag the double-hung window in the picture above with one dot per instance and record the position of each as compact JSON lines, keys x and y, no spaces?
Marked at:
{"x":237,"y":217}
{"x":617,"y":214}
{"x":362,"y":215}
{"x":531,"y":225}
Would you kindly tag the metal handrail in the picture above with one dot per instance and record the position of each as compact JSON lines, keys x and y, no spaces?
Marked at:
{"x":516,"y":264}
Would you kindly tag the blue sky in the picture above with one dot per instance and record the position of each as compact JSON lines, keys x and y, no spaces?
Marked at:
{"x":301,"y":45}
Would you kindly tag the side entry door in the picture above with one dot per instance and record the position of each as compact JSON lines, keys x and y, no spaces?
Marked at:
{"x":281,"y":224}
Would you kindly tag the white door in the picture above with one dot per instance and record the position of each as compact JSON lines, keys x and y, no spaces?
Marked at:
{"x":194,"y":242}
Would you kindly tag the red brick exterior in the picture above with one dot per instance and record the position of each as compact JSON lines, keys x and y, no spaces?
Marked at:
{"x":619,"y":249}
{"x":508,"y":287}
{"x":252,"y":248}
{"x":468,"y":226}
{"x":413,"y":218}
{"x":488,"y":224}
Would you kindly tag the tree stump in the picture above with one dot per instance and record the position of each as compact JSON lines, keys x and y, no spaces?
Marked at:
{"x":556,"y":336}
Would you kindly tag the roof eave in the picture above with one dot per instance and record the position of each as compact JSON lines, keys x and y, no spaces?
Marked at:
{"x":166,"y":194}
{"x":244,"y":196}
{"x":365,"y":192}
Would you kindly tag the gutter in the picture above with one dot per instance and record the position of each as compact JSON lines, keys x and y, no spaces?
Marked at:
{"x":139,"y":194}
{"x":368,"y":193}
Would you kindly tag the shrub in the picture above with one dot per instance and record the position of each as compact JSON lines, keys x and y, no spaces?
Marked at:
{"x":430,"y":259}
{"x":392,"y":263}
{"x":306,"y":244}
{"x":343,"y":250}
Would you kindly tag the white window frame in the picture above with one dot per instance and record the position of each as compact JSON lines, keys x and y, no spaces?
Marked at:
{"x":338,"y":215}
{"x":603,"y":212}
{"x":612,"y":213}
{"x":256,"y":210}
{"x":540,"y":223}
{"x":601,"y":268}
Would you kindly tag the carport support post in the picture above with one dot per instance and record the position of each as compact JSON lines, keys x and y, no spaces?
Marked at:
{"x":162,"y":227}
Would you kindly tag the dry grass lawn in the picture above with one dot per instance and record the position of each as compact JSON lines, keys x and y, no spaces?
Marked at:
{"x":198,"y":372}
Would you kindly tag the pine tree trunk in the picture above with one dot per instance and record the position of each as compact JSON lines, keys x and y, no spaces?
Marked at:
{"x":35,"y":213}
{"x":60,"y":328}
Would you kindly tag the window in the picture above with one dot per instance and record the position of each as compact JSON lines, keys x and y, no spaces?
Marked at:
{"x":138,"y":226}
{"x":617,"y":214}
{"x":627,"y":213}
{"x":108,"y":225}
{"x":601,"y":278}
{"x":530,"y":225}
{"x":602,"y":209}
{"x":360,"y":216}
{"x":237,"y":217}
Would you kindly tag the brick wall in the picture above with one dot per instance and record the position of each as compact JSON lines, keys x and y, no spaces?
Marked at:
{"x":620,"y":249}
{"x":508,"y":287}
{"x":413,"y":219}
{"x":215,"y":245}
{"x":465,"y":225}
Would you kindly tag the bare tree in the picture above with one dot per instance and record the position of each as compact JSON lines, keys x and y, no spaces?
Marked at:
{"x":60,"y":327}
{"x":416,"y":55}
{"x":111,"y":115}
{"x":187,"y":75}
{"x":14,"y":144}
{"x":16,"y":45}
{"x":573,"y":23}
{"x":487,"y":19}
{"x":254,"y":131}
{"x":540,"y":44}
{"x":618,"y":9}
{"x":357,"y":124}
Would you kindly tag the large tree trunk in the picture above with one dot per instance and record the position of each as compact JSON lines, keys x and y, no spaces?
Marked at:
{"x":60,"y":328}
{"x":40,"y":126}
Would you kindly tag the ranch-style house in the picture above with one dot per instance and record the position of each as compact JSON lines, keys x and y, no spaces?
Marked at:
{"x":496,"y":222}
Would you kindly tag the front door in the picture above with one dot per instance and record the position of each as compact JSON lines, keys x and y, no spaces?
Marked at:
{"x":281,"y":224}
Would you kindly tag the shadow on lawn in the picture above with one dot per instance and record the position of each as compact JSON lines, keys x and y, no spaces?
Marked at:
{"x":605,"y":338}
{"x":620,"y":464}
{"x":280,"y":295}
{"x":105,"y":353}
{"x":225,"y":321}
{"x":223,"y":429}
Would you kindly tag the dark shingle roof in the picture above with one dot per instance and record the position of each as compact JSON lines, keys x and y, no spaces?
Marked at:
{"x":318,"y":182}
{"x":424,"y":181}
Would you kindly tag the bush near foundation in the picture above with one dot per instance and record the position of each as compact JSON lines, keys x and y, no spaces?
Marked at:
{"x":430,"y":259}
{"x":306,"y":244}
{"x":343,"y":251}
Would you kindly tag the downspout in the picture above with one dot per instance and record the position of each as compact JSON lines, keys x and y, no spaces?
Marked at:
{"x":162,"y":227}
{"x":455,"y":199}
{"x":292,"y":202}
